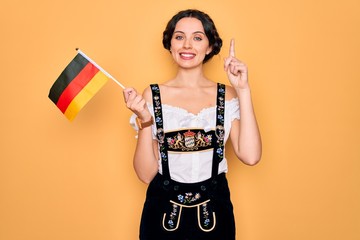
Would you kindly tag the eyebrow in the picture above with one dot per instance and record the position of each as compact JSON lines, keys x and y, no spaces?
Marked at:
{"x":196,"y":32}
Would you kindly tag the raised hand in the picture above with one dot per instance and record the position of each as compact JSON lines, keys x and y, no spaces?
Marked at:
{"x":236,"y":70}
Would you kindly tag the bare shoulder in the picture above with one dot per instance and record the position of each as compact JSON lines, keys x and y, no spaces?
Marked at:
{"x":147,"y":95}
{"x":230,"y":93}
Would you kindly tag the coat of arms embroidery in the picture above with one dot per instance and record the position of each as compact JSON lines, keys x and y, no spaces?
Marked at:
{"x":189,"y":141}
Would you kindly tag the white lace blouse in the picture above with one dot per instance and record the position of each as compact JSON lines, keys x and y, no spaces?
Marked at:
{"x":191,"y":167}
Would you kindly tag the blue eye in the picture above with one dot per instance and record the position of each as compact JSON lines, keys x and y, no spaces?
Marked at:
{"x":197,"y":38}
{"x":179,"y":37}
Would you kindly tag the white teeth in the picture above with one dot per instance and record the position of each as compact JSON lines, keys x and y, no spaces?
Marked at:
{"x":187,"y":54}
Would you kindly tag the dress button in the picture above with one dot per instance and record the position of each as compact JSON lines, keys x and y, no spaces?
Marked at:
{"x":203,"y":188}
{"x":166,"y":182}
{"x":176,"y":187}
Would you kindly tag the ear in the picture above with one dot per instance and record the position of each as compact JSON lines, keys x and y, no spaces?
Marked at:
{"x":209,"y":50}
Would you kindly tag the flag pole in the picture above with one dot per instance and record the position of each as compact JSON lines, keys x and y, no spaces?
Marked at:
{"x":100,"y":68}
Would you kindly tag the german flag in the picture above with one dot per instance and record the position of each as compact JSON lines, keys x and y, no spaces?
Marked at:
{"x":76,"y":85}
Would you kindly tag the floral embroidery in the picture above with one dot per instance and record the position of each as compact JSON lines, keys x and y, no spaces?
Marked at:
{"x":222,"y":89}
{"x":158,"y":120}
{"x":173,"y":215}
{"x":221,"y":109}
{"x":188,"y":197}
{"x":220,"y":130}
{"x":205,"y":215}
{"x":157,"y":104}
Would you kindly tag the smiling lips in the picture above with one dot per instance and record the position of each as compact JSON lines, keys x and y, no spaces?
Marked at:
{"x":187,"y":56}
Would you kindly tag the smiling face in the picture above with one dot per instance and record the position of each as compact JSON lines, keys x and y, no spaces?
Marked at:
{"x":189,"y":44}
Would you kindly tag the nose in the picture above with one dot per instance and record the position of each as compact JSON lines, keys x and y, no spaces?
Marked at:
{"x":187,"y":43}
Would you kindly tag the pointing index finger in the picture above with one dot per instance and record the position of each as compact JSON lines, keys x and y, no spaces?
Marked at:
{"x":232,"y":48}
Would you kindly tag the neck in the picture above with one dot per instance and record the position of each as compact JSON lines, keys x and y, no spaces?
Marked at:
{"x":190,"y":77}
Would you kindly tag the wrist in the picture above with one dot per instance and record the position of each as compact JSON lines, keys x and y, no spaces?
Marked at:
{"x":241,"y":91}
{"x":144,"y":123}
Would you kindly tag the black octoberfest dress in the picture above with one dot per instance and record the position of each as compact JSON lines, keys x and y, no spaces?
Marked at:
{"x":188,"y":211}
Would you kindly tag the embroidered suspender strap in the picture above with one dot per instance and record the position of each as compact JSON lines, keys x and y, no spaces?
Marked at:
{"x":218,"y":154}
{"x":160,"y":129}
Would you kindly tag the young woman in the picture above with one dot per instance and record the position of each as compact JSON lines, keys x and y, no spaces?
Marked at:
{"x":183,"y":125}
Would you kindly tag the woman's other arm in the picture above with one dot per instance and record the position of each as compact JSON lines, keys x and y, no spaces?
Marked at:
{"x":146,"y":154}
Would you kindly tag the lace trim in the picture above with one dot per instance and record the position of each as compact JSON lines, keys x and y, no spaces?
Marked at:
{"x":184,"y":116}
{"x":180,"y":110}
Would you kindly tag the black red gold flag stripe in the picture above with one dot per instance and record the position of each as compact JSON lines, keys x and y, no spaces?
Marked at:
{"x":76,"y":85}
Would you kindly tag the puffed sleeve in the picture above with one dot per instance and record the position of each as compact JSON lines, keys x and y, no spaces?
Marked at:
{"x":136,"y":128}
{"x":233,"y":109}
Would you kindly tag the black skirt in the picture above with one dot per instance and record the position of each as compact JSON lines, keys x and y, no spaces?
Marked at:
{"x":180,"y":211}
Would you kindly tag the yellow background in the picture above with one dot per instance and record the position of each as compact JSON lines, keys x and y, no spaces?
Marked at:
{"x":74,"y":181}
